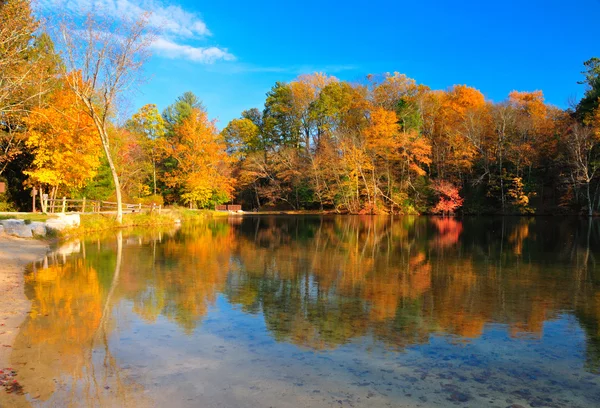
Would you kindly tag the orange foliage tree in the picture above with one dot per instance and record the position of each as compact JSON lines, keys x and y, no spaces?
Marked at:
{"x":449,"y":198}
{"x":202,"y":164}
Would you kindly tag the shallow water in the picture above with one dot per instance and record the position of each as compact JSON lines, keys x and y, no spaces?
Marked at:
{"x":318,"y":311}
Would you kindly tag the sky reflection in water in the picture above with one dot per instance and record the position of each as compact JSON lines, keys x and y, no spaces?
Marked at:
{"x":312,"y":311}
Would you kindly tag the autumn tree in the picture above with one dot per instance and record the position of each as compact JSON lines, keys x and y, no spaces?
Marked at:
{"x":28,"y":68}
{"x":109,"y":56}
{"x":305,"y":91}
{"x":203,"y":165}
{"x":455,"y":135}
{"x":244,"y":143}
{"x":242,"y":137}
{"x":64,"y":143}
{"x":449,"y":198}
{"x":148,"y":122}
{"x":173,"y":115}
{"x":132,"y":160}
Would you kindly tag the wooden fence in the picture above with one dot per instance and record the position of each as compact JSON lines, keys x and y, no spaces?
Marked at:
{"x":94,"y":206}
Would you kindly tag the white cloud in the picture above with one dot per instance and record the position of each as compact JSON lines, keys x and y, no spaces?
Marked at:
{"x":174,"y":24}
{"x":205,"y":55}
{"x":169,"y":19}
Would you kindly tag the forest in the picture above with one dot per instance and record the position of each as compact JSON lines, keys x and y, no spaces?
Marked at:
{"x":383,"y":145}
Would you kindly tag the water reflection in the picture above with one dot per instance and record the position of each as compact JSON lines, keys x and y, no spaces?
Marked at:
{"x":119,"y":321}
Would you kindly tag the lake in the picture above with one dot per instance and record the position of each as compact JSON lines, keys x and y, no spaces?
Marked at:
{"x":308,"y":311}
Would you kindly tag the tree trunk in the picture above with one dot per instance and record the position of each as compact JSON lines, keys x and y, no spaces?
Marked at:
{"x":589,"y":200}
{"x":257,"y":196}
{"x":43,"y":203}
{"x":53,"y":199}
{"x":115,"y":177}
{"x":113,"y":169}
{"x":154,"y":174}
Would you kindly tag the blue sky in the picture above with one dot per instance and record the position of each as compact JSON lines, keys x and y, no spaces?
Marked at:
{"x":230,"y":53}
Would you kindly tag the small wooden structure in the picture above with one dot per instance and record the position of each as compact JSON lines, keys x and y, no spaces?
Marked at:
{"x":2,"y":187}
{"x":229,"y":207}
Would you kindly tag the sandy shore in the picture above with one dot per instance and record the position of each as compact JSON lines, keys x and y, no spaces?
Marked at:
{"x":15,"y":254}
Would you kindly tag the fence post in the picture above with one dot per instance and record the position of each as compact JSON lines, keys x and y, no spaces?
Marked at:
{"x":64,"y":204}
{"x":140,"y":207}
{"x":159,"y":208}
{"x":83,"y":206}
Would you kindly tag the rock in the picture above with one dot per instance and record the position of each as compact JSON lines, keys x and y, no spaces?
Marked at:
{"x":63,"y":221}
{"x":8,"y":224}
{"x":22,"y":231}
{"x":38,"y":228}
{"x":17,"y":228}
{"x":56,"y":224}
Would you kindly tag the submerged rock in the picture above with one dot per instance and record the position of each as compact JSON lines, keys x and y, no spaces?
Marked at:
{"x":458,"y":396}
{"x":8,"y":381}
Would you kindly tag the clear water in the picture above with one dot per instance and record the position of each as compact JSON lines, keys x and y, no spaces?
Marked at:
{"x":318,"y":312}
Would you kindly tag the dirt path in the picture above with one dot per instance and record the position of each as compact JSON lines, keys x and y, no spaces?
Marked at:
{"x":15,"y":254}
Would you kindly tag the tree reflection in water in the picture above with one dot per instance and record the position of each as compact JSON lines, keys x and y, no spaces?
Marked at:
{"x":318,"y":282}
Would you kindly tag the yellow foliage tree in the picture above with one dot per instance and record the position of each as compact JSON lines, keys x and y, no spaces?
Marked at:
{"x":66,"y":149}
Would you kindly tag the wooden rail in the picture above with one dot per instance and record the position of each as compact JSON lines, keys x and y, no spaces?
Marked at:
{"x":94,"y":206}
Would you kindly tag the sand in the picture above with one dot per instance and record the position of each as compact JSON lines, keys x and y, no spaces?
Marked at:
{"x":15,"y":255}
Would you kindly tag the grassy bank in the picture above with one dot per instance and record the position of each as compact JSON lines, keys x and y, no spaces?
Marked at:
{"x":24,"y":216}
{"x":104,"y":222}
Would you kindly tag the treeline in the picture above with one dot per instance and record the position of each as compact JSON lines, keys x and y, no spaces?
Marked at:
{"x":391,"y":145}
{"x":387,"y":145}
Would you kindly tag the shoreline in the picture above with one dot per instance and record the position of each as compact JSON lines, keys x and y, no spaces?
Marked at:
{"x":15,"y":255}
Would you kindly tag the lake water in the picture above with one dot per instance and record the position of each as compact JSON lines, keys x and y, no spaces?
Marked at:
{"x":302,"y":311}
